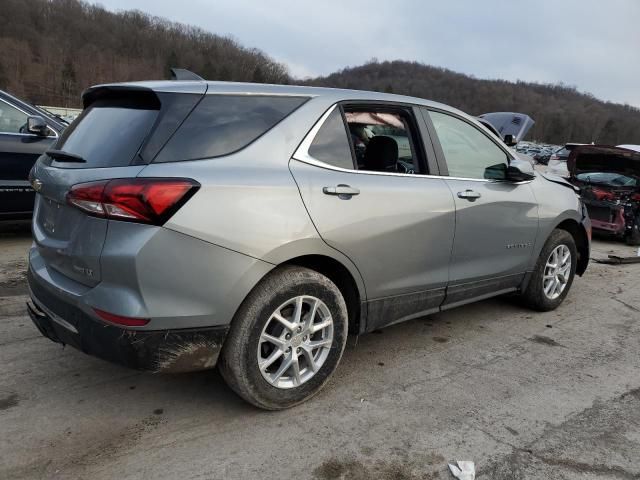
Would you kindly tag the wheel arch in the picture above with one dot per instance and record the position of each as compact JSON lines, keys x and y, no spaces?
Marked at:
{"x":580,"y":236}
{"x":344,"y":280}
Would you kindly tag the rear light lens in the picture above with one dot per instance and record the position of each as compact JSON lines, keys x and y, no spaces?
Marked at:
{"x":553,"y":157}
{"x":143,"y":200}
{"x":120,"y":320}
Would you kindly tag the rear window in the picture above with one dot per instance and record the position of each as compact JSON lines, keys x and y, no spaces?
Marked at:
{"x":109,"y":133}
{"x":224,"y":124}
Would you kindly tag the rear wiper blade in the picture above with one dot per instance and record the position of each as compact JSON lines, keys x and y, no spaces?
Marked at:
{"x":62,"y":156}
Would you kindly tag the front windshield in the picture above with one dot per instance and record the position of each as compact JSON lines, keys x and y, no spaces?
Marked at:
{"x":608,"y":178}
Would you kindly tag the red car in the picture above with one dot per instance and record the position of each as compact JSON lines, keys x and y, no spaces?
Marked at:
{"x":609,"y":179}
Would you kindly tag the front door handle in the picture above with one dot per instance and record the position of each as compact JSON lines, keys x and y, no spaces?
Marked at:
{"x":469,"y":195}
{"x":341,"y":191}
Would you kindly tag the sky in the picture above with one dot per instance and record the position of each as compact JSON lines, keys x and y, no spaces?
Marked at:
{"x":593,"y":45}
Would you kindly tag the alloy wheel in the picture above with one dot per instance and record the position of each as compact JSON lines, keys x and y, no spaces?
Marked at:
{"x":557,"y":272}
{"x":295,"y":342}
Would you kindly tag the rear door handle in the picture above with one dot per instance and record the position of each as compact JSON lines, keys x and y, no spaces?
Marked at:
{"x":341,"y":190}
{"x":469,"y":195}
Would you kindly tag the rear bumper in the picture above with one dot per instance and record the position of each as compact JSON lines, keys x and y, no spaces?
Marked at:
{"x":169,"y":351}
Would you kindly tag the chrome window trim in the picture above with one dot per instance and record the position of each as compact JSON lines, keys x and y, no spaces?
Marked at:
{"x":302,"y":155}
{"x":55,"y":134}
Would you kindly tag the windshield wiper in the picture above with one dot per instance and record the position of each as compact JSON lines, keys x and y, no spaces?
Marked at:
{"x":62,"y":156}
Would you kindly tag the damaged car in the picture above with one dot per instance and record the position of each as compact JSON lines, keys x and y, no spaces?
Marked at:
{"x":181,"y":225}
{"x":609,"y":180}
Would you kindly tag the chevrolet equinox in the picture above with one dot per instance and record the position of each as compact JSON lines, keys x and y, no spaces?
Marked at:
{"x":180,"y":225}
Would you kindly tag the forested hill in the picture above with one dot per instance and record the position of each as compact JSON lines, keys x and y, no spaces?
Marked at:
{"x":561,"y":113}
{"x":51,"y":50}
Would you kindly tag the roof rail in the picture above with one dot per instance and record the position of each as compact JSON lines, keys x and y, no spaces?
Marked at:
{"x":184,"y":74}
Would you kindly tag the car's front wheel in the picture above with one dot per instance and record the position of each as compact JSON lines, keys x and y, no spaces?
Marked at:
{"x":554,"y":272}
{"x":286,"y":339}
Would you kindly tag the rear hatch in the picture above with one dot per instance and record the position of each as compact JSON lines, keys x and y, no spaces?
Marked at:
{"x":120,"y":130}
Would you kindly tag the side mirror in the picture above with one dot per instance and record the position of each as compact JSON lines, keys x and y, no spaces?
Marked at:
{"x":510,"y":140}
{"x":520,"y":171}
{"x":37,"y":125}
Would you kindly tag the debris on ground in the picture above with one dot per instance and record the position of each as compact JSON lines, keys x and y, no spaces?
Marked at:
{"x":464,"y":470}
{"x":617,"y":260}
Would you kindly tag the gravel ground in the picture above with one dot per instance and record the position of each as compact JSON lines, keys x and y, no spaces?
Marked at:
{"x":524,"y":395}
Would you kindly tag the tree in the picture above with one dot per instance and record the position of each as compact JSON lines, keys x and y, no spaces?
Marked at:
{"x":172,"y":62}
{"x":258,"y":75}
{"x":3,"y":77}
{"x":69,"y":82}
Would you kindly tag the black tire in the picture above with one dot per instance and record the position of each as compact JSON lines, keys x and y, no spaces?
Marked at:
{"x":239,"y":358}
{"x":633,"y":237}
{"x":534,"y":296}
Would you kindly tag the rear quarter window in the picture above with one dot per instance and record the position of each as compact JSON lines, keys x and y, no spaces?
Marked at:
{"x":223,"y":124}
{"x":331,"y":144}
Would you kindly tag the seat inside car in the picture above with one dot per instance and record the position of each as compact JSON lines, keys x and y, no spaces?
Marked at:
{"x":381,"y":154}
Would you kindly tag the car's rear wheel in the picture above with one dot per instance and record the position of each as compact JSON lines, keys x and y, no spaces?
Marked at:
{"x":286,"y":339}
{"x":553,"y":274}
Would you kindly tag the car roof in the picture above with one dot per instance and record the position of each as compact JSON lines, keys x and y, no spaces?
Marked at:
{"x":241,"y":88}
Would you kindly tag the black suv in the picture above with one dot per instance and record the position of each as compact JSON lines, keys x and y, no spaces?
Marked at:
{"x":26,"y":132}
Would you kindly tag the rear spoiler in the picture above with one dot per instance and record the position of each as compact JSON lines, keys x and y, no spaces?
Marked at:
{"x":142,"y":94}
{"x":145,"y":91}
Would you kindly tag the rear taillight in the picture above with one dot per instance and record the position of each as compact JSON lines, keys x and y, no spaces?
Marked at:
{"x":143,"y":200}
{"x":553,"y":157}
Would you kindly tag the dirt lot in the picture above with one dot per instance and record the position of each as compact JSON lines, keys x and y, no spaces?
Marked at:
{"x":524,"y":395}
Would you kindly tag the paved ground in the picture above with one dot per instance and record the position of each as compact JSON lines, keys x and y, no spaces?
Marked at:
{"x":524,"y":395}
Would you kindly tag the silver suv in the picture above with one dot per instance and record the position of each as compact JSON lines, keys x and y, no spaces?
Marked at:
{"x":179,"y":225}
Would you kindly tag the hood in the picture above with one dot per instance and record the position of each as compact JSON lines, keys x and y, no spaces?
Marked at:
{"x":604,"y":158}
{"x":509,"y":123}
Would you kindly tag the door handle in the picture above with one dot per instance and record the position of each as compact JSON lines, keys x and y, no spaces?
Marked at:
{"x":469,"y":195}
{"x":341,"y":191}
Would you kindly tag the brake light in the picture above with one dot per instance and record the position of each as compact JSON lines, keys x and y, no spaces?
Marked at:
{"x":143,"y":200}
{"x":120,"y":320}
{"x":554,"y":157}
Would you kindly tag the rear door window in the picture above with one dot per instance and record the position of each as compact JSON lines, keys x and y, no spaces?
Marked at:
{"x":223,"y":124}
{"x":384,"y":139}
